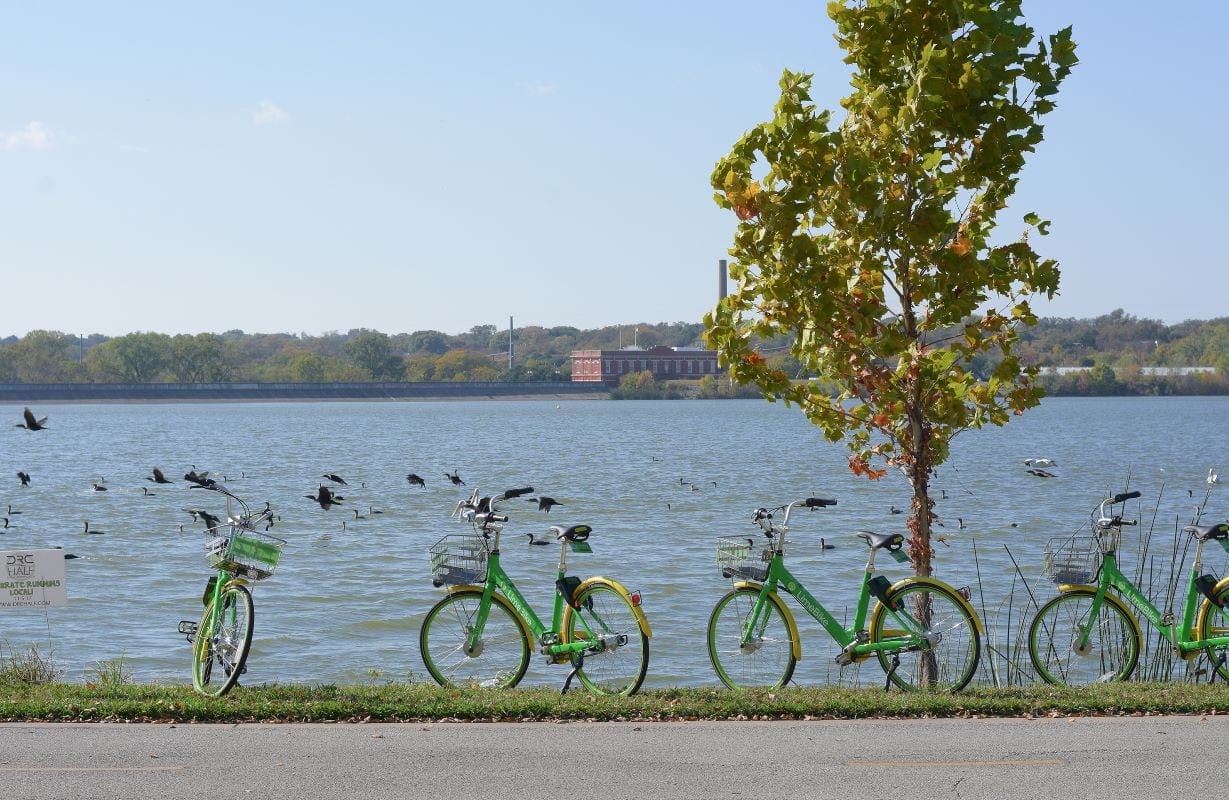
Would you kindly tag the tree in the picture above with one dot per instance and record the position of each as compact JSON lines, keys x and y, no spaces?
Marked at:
{"x":200,"y":359}
{"x":863,"y":241}
{"x":44,"y":357}
{"x":132,"y":358}
{"x":373,"y":352}
{"x":432,"y":342}
{"x":463,"y":365}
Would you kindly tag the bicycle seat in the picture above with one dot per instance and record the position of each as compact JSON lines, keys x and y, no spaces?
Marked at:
{"x":575,"y":533}
{"x":1220,"y":530}
{"x":891,"y":541}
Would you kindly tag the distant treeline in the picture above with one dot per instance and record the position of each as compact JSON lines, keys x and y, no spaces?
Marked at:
{"x":1114,"y":348}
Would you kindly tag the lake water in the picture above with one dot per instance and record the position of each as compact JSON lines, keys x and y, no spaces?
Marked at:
{"x":345,"y":604}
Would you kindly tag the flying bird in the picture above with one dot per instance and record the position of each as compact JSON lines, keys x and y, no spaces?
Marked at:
{"x":31,"y":423}
{"x":455,"y":477}
{"x":335,"y":478}
{"x":1213,"y":478}
{"x":325,"y":497}
{"x":24,"y":477}
{"x":199,"y":478}
{"x":1040,"y":462}
{"x":200,"y":515}
{"x":158,"y":477}
{"x":415,"y":480}
{"x":544,"y":503}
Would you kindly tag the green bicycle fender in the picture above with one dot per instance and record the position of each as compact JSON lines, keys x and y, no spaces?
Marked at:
{"x":916,"y":580}
{"x":1113,"y":599}
{"x":785,"y":612}
{"x":499,"y":598}
{"x":641,"y":619}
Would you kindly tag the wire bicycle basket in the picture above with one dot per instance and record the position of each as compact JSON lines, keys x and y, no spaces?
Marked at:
{"x":741,"y":558}
{"x":458,"y":559}
{"x":242,"y":551}
{"x":1072,"y":559}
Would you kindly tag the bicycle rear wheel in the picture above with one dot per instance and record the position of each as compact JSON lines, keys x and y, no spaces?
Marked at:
{"x":619,"y":657}
{"x":498,"y":659}
{"x":220,"y":649}
{"x":1213,"y":621}
{"x":766,"y":659}
{"x":1111,"y":650}
{"x":940,"y":644}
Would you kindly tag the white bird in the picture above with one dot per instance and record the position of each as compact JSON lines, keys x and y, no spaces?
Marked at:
{"x":1040,"y":462}
{"x":1213,"y":478}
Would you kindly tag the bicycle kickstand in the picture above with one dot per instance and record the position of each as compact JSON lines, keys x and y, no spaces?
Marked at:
{"x":577,"y":665}
{"x":887,"y":684}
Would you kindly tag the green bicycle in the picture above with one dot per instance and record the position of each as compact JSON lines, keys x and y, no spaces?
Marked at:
{"x":1087,"y":634}
{"x":240,"y":550}
{"x":923,"y":632}
{"x":482,"y":632}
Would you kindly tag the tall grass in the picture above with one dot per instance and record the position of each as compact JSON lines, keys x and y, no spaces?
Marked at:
{"x":1158,"y":565}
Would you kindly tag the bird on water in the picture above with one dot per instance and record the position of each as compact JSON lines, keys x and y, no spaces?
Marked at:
{"x":455,"y":477}
{"x":158,"y":477}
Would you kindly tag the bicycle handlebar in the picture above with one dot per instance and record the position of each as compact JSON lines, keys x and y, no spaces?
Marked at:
{"x":1122,"y":497}
{"x":818,"y":502}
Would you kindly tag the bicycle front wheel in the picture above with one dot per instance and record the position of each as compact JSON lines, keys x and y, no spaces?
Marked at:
{"x":1213,"y":621}
{"x":939,"y":642}
{"x":619,"y":656}
{"x":1110,"y":640}
{"x":497,"y":659}
{"x":223,"y":638}
{"x":764,"y":659}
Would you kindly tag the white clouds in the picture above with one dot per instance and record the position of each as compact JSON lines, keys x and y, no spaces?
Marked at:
{"x":539,"y":89}
{"x":32,"y":137}
{"x":269,"y":114}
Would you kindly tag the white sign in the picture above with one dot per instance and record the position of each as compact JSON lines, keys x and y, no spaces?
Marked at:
{"x":32,"y":579}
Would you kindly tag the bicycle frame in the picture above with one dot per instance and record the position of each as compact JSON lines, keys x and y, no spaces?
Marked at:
{"x":548,"y":639}
{"x":1178,"y":635}
{"x":853,"y":640}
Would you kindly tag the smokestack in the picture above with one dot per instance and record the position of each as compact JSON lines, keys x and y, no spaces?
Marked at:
{"x":721,"y":279}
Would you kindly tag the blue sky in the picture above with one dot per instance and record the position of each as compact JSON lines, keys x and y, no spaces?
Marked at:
{"x":306,"y":167}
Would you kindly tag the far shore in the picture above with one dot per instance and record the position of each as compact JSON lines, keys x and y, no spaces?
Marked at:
{"x":305,"y":392}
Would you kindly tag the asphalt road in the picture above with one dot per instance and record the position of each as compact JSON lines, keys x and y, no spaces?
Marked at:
{"x":1153,"y":757}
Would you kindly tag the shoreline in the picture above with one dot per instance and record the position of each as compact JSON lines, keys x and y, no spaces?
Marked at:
{"x":306,"y":392}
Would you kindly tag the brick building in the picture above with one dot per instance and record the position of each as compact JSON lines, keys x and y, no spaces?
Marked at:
{"x":665,"y":363}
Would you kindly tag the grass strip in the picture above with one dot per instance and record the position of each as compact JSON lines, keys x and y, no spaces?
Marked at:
{"x":421,"y":703}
